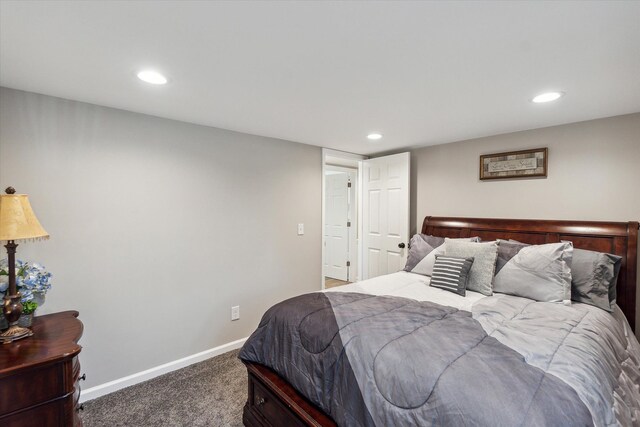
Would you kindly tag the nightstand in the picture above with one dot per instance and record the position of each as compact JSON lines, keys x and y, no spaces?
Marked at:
{"x":39,"y":375}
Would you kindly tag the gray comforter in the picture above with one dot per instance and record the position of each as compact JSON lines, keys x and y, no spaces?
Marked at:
{"x":390,"y":361}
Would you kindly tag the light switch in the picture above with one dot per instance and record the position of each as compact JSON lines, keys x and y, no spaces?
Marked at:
{"x":300,"y":229}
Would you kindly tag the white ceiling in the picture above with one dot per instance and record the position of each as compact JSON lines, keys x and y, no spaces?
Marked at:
{"x":328,"y":73}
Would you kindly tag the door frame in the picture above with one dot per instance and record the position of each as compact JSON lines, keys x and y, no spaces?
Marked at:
{"x":349,"y":160}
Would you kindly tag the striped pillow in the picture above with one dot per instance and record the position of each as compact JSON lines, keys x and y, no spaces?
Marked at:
{"x":451,"y":273}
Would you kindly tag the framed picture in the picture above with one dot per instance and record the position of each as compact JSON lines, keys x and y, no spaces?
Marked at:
{"x":514,"y":164}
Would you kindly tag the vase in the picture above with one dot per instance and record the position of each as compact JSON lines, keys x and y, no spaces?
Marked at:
{"x":25,"y":320}
{"x":39,"y":298}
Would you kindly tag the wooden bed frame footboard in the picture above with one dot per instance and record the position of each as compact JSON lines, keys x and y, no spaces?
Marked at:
{"x":273,"y":402}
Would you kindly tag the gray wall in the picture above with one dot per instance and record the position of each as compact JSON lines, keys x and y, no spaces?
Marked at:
{"x":158,"y":227}
{"x":594,"y":174}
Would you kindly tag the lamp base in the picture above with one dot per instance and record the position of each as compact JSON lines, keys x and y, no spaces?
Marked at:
{"x":15,"y":333}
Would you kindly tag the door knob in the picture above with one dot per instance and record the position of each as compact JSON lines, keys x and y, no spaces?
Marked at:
{"x":401,"y":245}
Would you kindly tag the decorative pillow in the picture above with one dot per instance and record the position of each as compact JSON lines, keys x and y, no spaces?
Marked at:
{"x":484,"y":262}
{"x":419,"y":247}
{"x":425,"y":266}
{"x":593,"y":278}
{"x":451,"y":273}
{"x":538,"y":272}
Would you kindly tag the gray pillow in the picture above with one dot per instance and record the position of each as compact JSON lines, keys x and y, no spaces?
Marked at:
{"x":425,"y":266}
{"x":594,"y":278}
{"x":484,"y":262}
{"x":538,"y":272}
{"x":451,"y":274}
{"x":419,"y":247}
{"x":507,"y":249}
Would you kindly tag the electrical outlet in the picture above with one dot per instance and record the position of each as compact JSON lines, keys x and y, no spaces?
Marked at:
{"x":235,"y":312}
{"x":300,"y":229}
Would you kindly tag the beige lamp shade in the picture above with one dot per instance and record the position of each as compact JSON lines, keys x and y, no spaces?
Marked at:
{"x":17,"y":220}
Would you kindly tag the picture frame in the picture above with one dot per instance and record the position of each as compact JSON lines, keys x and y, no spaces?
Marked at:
{"x":514,"y":164}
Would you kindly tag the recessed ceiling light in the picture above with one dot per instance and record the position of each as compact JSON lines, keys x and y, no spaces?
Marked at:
{"x":547,"y":97}
{"x":374,"y":136}
{"x":153,"y":77}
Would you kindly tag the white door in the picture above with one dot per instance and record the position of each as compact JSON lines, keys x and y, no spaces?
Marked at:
{"x":338,"y":211}
{"x":385,"y":214}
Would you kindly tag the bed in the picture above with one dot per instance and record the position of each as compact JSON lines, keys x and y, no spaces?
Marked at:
{"x":523,"y":362}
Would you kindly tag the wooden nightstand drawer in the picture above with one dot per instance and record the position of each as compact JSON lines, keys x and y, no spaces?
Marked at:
{"x":48,"y":415}
{"x":30,"y":388}
{"x":75,"y":369}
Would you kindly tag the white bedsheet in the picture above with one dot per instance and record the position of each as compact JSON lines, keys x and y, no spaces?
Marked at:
{"x":410,"y":285}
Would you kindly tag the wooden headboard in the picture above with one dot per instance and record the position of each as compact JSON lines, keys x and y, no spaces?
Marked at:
{"x":619,"y":238}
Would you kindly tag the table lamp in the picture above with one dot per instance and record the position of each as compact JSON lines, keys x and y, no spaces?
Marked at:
{"x":17,"y":223}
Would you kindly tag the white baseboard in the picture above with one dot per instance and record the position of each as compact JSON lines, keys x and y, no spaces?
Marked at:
{"x":120,"y":383}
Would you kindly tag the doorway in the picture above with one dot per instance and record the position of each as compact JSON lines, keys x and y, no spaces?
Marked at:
{"x":340,"y":225}
{"x":340,"y":218}
{"x":365,"y":216}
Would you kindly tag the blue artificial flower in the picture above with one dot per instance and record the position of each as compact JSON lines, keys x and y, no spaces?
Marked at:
{"x":27,"y":295}
{"x":30,"y":278}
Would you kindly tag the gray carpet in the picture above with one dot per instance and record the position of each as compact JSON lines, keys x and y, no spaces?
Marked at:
{"x":209,"y":393}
